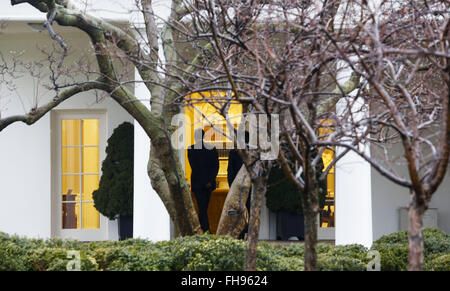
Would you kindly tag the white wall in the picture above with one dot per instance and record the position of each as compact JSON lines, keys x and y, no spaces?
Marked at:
{"x":388,"y":197}
{"x":25,"y":151}
{"x":25,"y":179}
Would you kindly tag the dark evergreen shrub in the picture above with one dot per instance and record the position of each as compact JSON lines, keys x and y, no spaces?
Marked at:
{"x":282,"y":194}
{"x":114,"y":196}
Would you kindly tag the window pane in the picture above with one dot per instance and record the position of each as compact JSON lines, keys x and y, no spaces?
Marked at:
{"x":70,"y":132}
{"x":90,"y":184}
{"x":91,"y":217}
{"x":70,"y":215}
{"x":70,"y":160}
{"x":71,"y":183}
{"x":90,"y":160}
{"x":90,"y":133}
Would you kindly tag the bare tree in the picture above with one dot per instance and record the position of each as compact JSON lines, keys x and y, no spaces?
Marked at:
{"x":163,"y":78}
{"x":180,"y":66}
{"x":402,"y":54}
{"x":284,"y":58}
{"x":276,"y":57}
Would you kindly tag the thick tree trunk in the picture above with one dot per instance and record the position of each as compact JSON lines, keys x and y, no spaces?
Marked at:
{"x":310,"y":201}
{"x":259,"y":189}
{"x":175,"y":192}
{"x":415,"y":236}
{"x":159,"y":184}
{"x":310,"y":240}
{"x":311,"y":211}
{"x":233,"y":218}
{"x":186,"y":216}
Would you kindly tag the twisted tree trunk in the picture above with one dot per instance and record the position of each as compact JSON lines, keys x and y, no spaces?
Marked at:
{"x":259,"y":187}
{"x":234,"y":213}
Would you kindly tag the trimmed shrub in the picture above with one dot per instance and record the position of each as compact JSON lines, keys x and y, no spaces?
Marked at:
{"x":393,"y":256}
{"x":210,"y":252}
{"x":57,"y":259}
{"x":295,"y":250}
{"x":207,"y":252}
{"x":441,"y":263}
{"x":273,"y":258}
{"x":435,"y":246}
{"x":129,"y":259}
{"x":11,"y":257}
{"x":354,"y":251}
{"x":326,"y":262}
{"x":393,"y":248}
{"x":114,"y":196}
{"x":435,"y":240}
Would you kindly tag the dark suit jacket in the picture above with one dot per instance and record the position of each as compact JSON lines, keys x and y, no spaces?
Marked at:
{"x":234,"y":165}
{"x":205,"y":167}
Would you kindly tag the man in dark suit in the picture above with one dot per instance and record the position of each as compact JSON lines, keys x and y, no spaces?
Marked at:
{"x":204,"y":162}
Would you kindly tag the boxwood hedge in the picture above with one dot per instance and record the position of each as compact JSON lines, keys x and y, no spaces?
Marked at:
{"x":210,"y":252}
{"x":393,"y":249}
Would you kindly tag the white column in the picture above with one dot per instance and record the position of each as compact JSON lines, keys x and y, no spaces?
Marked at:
{"x":264,"y":226}
{"x":353,"y":219}
{"x":353,"y":201}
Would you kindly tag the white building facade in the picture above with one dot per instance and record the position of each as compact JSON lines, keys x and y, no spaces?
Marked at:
{"x":32,"y":172}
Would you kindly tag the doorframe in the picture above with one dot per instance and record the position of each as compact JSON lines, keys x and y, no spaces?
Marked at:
{"x":56,"y":209}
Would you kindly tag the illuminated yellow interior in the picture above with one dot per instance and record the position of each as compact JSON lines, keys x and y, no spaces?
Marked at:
{"x":202,"y":114}
{"x":205,"y":115}
{"x":327,"y":158}
{"x":80,"y":173}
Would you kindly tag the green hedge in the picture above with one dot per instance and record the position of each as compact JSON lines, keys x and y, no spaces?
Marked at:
{"x":393,"y":250}
{"x":440,"y":263}
{"x":210,"y":252}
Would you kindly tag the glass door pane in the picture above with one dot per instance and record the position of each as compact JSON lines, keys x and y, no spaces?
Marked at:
{"x":80,"y":166}
{"x":90,"y":217}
